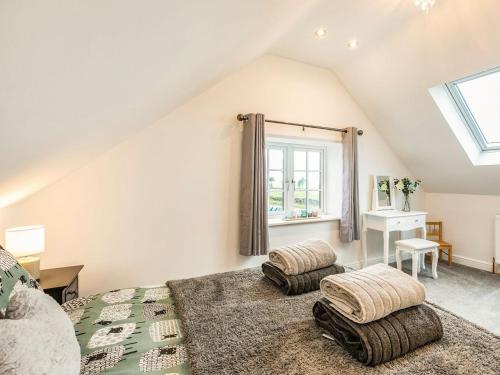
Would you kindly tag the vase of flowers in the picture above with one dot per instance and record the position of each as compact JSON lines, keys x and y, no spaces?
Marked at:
{"x":407,"y":187}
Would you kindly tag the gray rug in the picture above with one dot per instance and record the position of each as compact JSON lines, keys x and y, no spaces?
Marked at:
{"x":240,"y":323}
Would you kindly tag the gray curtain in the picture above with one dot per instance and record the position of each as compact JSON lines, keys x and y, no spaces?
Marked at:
{"x":254,"y":237}
{"x":349,"y":224}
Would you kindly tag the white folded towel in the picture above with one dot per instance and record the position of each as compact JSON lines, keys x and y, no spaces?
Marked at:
{"x":372,"y":292}
{"x":303,"y":257}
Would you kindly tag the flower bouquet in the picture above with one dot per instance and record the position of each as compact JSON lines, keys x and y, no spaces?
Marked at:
{"x":407,"y":187}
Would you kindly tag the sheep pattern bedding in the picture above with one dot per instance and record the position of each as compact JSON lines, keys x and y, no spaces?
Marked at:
{"x":129,"y":331}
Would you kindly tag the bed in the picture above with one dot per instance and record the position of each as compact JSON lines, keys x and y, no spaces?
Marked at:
{"x":240,"y":323}
{"x":230,"y":323}
{"x":129,"y":331}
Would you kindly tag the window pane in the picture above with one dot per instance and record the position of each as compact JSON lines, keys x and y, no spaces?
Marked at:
{"x":275,"y":201}
{"x":299,"y":160}
{"x":275,"y":158}
{"x":313,"y":200}
{"x":313,"y":160}
{"x":313,"y":181}
{"x":300,"y":180}
{"x":275,"y":180}
{"x":482,"y":96}
{"x":299,"y":199}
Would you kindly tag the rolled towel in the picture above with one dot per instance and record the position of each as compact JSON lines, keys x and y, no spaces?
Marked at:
{"x":303,"y":257}
{"x":372,"y":292}
{"x":298,"y":284}
{"x":382,"y":340}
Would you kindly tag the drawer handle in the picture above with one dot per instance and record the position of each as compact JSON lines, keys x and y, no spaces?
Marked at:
{"x":399,"y":222}
{"x":416,"y":221}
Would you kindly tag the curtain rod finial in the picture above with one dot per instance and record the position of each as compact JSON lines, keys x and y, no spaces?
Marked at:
{"x":241,"y":117}
{"x":360,"y":132}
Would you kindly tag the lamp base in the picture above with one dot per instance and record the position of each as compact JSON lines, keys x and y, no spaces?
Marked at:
{"x":32,"y":265}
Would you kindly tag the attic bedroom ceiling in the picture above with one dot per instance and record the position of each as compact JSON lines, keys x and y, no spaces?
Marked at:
{"x":402,"y":53}
{"x":78,"y":77}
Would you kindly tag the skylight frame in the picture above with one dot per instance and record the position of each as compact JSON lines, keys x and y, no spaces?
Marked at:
{"x":466,"y":113}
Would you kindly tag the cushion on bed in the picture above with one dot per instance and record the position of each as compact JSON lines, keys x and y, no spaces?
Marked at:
{"x":13,"y":277}
{"x":37,"y":337}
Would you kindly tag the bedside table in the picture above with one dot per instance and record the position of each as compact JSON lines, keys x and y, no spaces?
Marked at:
{"x":60,"y":283}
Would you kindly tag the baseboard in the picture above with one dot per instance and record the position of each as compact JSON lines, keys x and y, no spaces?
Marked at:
{"x":474,"y":263}
{"x":459,"y":259}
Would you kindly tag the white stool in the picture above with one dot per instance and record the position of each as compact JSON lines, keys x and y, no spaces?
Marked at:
{"x":418,"y":247}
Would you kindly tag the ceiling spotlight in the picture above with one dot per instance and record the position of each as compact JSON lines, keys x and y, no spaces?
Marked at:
{"x":425,"y":5}
{"x":320,"y":33}
{"x":352,"y":43}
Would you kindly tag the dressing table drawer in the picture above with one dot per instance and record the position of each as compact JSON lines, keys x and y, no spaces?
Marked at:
{"x":406,"y":223}
{"x":387,"y":221}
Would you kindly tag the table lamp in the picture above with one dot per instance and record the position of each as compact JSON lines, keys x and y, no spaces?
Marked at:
{"x":23,"y":243}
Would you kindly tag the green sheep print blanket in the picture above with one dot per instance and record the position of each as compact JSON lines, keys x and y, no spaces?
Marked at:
{"x":129,"y":331}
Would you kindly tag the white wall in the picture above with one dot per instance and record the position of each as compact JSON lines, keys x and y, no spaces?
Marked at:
{"x":468,"y":224}
{"x":164,"y":204}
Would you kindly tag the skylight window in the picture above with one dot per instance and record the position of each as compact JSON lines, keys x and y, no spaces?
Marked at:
{"x":477,"y":98}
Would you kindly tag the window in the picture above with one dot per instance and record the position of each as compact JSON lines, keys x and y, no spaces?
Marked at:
{"x":477,"y":98}
{"x":296,"y":177}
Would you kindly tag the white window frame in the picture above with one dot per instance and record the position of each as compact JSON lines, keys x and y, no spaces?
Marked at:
{"x":288,"y":148}
{"x":466,"y":114}
{"x":277,"y":146}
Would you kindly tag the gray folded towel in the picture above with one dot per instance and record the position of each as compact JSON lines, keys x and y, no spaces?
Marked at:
{"x":372,"y":292}
{"x":303,"y":257}
{"x":298,"y":284}
{"x":382,"y":340}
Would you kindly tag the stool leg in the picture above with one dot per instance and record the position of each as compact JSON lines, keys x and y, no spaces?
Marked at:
{"x":414,"y":265}
{"x":398,"y":258}
{"x":423,"y":260}
{"x":418,"y":262}
{"x":434,"y":263}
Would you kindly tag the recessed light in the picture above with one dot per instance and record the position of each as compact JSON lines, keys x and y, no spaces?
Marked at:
{"x":353,"y":43}
{"x":320,"y":33}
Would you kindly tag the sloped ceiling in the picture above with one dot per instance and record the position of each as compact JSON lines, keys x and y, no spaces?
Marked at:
{"x":79,"y":76}
{"x":402,"y":53}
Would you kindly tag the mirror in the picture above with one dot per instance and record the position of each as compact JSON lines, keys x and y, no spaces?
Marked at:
{"x":383,"y":193}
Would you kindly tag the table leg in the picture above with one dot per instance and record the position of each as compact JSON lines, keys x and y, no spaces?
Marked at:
{"x":398,"y":258}
{"x":434,"y":263}
{"x":414,"y":265}
{"x":386,"y":247}
{"x":364,"y":249}
{"x":424,"y":236}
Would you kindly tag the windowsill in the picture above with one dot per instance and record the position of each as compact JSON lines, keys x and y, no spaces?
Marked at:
{"x":277,"y":222}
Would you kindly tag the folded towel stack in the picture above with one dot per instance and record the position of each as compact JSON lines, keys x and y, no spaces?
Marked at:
{"x":299,"y":268}
{"x":377,"y":313}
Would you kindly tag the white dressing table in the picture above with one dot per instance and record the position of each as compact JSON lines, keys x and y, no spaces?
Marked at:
{"x":388,"y":221}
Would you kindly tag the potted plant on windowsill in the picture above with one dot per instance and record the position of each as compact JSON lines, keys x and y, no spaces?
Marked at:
{"x":407,"y":187}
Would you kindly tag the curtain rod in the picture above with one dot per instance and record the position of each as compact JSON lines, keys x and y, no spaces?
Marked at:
{"x":241,"y":117}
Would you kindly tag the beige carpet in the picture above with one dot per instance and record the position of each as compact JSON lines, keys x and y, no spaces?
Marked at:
{"x":239,"y":323}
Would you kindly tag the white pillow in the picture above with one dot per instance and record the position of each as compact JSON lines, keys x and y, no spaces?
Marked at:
{"x":37,"y":337}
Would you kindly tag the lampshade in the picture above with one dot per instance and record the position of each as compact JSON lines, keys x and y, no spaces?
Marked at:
{"x":23,"y":241}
